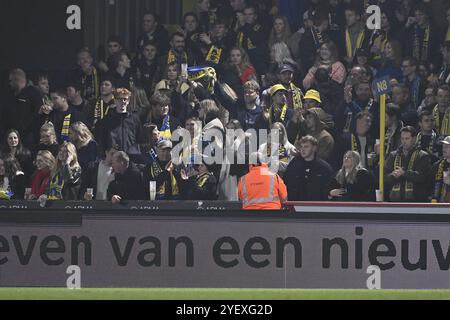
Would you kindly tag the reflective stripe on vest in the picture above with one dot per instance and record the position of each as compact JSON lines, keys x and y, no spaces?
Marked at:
{"x":246,"y":202}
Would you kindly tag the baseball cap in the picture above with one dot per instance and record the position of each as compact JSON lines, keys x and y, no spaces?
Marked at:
{"x":286,"y":67}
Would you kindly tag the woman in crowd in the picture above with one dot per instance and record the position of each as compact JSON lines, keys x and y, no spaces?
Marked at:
{"x":48,"y":140}
{"x":171,"y":80}
{"x":139,"y":102}
{"x":286,"y":151}
{"x":281,"y":32}
{"x":86,"y":146}
{"x":12,"y":178}
{"x":391,"y":58}
{"x":238,"y":70}
{"x":65,"y":178}
{"x":13,"y":146}
{"x":327,"y":57}
{"x":45,"y":162}
{"x":352,"y":182}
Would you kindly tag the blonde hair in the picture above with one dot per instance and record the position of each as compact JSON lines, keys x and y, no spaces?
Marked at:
{"x":351,"y":177}
{"x":282,"y":54}
{"x":211,"y":110}
{"x":82,"y":133}
{"x":72,"y":151}
{"x":50,"y":129}
{"x":48,"y":158}
{"x":281,"y":126}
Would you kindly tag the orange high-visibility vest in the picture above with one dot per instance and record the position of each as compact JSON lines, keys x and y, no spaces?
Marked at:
{"x":261,"y":189}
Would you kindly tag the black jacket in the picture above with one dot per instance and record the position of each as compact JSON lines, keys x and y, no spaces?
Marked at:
{"x":191,"y":190}
{"x":21,"y":113}
{"x":418,"y":175}
{"x":120,"y":130}
{"x":128,"y":185}
{"x":308,"y":181}
{"x":363,"y":189}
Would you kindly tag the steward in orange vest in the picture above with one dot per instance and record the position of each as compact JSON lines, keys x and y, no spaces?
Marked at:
{"x":261,"y":189}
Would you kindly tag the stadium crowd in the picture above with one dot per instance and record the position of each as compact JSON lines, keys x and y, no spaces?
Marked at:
{"x":107,"y":132}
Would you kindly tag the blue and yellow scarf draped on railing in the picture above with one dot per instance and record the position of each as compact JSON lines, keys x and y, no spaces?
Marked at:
{"x":56,"y":186}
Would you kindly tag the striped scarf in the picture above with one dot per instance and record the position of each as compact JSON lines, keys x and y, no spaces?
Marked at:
{"x":172,"y":58}
{"x":409,"y":187}
{"x":92,"y":90}
{"x":214,"y":55}
{"x":100,"y":111}
{"x":296,"y":96}
{"x":442,"y":128}
{"x":201,"y":179}
{"x":430,"y":148}
{"x":348,"y":42}
{"x":440,"y":188}
{"x":420,"y":52}
{"x":65,"y":128}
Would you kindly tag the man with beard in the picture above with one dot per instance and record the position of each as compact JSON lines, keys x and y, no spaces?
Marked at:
{"x":406,"y":170}
{"x":307,"y":176}
{"x":177,"y":53}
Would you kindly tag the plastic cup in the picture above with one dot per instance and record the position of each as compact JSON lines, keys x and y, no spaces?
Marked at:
{"x":378,"y":196}
{"x":152,"y":189}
